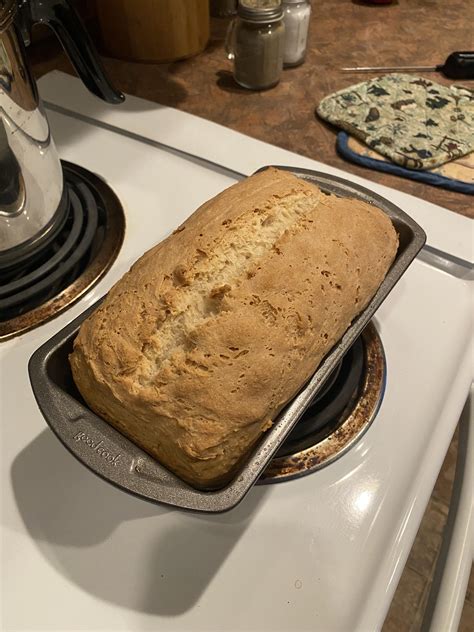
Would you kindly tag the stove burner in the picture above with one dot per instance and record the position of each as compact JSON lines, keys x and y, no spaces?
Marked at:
{"x":339,"y":416}
{"x":42,"y":282}
{"x":323,"y":415}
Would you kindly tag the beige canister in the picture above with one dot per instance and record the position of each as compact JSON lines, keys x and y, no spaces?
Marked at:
{"x":153,"y":30}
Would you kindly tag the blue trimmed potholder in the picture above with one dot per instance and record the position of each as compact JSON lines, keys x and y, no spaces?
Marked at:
{"x":457,"y":175}
{"x":413,"y":121}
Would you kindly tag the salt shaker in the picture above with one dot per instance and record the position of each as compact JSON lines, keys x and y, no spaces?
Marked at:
{"x":255,"y":43}
{"x":296,"y":14}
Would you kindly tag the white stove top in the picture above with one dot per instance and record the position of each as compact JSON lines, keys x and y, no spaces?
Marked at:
{"x":324,"y":552}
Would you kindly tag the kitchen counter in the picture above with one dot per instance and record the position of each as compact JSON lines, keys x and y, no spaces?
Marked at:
{"x":342,"y":33}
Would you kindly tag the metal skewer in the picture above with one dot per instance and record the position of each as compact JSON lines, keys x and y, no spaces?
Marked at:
{"x":391,"y":68}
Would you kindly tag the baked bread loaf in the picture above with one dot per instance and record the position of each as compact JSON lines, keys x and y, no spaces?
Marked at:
{"x":198,"y":347}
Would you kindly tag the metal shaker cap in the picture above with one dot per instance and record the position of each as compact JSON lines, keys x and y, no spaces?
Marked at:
{"x":262,"y":11}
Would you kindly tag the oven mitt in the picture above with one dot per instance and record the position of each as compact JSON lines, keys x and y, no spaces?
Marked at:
{"x":457,"y":175}
{"x":413,"y":121}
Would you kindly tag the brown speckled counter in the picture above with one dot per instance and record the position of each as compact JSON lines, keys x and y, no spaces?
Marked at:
{"x":342,"y":33}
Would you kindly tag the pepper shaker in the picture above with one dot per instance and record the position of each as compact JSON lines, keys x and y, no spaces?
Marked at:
{"x":255,"y":43}
{"x":296,"y":15}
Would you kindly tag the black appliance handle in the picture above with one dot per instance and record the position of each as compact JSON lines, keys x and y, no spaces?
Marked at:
{"x":63,"y":19}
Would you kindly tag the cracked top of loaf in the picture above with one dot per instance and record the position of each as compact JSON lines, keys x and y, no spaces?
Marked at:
{"x":199,"y":346}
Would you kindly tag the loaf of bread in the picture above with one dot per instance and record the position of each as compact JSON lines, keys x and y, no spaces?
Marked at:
{"x":198,"y":347}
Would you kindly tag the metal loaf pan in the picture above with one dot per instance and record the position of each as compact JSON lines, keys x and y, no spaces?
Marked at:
{"x":119,"y":461}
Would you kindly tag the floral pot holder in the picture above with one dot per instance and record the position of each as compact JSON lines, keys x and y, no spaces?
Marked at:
{"x":415,"y":122}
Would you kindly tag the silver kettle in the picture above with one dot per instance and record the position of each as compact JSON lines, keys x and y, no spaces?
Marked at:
{"x":31,"y":177}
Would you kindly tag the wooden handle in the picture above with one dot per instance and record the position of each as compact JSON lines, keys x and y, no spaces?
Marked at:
{"x":153,"y":30}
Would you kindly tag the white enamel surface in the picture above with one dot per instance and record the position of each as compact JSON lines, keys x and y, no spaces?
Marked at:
{"x":457,"y":569}
{"x":445,"y":230}
{"x":324,"y":552}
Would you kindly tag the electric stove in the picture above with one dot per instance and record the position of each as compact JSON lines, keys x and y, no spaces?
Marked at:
{"x":319,"y":551}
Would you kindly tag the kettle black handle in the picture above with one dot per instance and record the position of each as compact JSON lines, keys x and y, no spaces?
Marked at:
{"x":63,"y":19}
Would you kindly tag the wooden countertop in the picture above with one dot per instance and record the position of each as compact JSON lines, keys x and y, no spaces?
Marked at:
{"x":342,"y":33}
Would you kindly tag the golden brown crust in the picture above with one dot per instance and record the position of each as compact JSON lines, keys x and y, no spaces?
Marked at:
{"x":199,"y":346}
